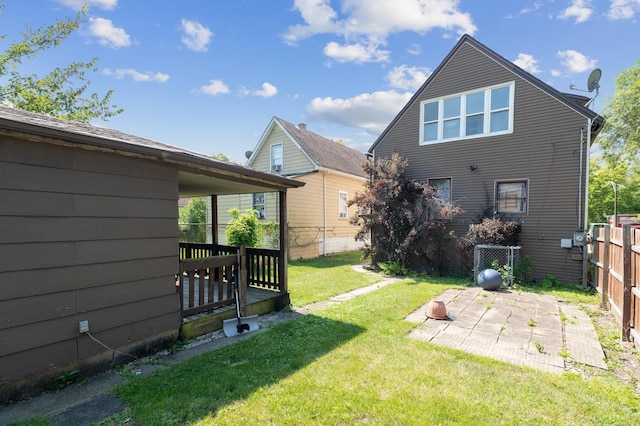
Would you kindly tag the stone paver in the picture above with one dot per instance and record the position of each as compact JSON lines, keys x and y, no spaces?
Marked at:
{"x":512,"y":326}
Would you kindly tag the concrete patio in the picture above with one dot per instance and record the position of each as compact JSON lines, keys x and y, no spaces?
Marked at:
{"x":517,"y":327}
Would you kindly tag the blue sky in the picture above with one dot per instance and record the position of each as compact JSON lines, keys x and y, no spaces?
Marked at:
{"x":209,"y":75}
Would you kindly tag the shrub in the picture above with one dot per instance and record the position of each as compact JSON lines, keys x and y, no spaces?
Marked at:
{"x":244,"y":228}
{"x":404,"y":217}
{"x":271,"y":235}
{"x":489,"y":231}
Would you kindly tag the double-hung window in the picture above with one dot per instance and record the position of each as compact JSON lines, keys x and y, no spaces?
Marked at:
{"x":276,"y":158}
{"x":443,"y":192}
{"x":258,"y":204}
{"x":343,"y":205}
{"x":443,"y":188}
{"x":511,"y":197}
{"x":478,"y":113}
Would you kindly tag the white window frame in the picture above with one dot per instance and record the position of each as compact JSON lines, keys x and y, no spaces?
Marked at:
{"x":523,"y":212}
{"x":272,"y":161}
{"x":343,"y":205}
{"x":463,"y":115}
{"x":430,"y":180}
{"x":261,"y":208}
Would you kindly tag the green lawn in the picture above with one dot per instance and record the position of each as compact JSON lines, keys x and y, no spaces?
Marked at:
{"x":318,"y":279}
{"x":352,"y":363}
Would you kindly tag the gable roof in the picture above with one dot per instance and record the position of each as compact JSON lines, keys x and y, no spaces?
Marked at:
{"x":199,"y":174}
{"x":575,"y":102}
{"x":321,"y":151}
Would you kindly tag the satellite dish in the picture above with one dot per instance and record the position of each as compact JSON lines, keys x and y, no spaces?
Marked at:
{"x":248,"y":154}
{"x":594,"y":79}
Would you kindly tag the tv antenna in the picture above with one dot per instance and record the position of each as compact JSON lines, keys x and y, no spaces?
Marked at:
{"x":593,"y":83}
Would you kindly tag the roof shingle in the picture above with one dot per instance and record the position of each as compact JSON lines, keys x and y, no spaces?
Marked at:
{"x":325,"y":152}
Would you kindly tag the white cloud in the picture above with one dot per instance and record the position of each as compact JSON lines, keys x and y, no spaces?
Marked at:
{"x":408,"y":78}
{"x":369,"y":111}
{"x":527,"y":63}
{"x":623,"y":9}
{"x":576,"y":62}
{"x":121,"y":73}
{"x":357,"y":53}
{"x":268,"y":90}
{"x":77,"y":4}
{"x":319,"y":18}
{"x":215,"y":87}
{"x":196,"y":36}
{"x":527,"y":10}
{"x":555,"y":73}
{"x":107,"y":34}
{"x":371,"y":21}
{"x":581,"y":10}
{"x":415,"y":49}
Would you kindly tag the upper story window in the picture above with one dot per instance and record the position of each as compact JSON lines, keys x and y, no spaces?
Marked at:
{"x":478,"y":113}
{"x":276,"y":158}
{"x":343,"y":205}
{"x":511,"y":197}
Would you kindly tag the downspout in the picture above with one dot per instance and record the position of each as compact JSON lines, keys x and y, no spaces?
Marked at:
{"x":581,"y":177}
{"x":588,"y":166}
{"x":324,"y":212}
{"x":585,"y":251}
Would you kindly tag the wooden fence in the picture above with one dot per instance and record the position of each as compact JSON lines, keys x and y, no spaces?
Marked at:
{"x":614,"y":254}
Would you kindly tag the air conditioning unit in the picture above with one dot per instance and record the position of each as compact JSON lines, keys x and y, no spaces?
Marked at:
{"x":276,"y":168}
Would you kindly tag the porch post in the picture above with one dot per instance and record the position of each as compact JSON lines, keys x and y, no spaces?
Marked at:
{"x":284,"y":243}
{"x":242,"y":268}
{"x":214,"y":219}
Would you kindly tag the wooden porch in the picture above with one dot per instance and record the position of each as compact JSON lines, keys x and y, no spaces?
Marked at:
{"x":205,"y":284}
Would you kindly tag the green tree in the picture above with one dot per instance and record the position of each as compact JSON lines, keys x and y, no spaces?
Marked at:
{"x":192,"y":221}
{"x":601,"y":192}
{"x":620,"y":137}
{"x":60,"y":93}
{"x":244,"y":228}
{"x":221,"y":157}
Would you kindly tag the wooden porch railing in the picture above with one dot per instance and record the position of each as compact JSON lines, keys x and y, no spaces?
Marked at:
{"x":207,"y":270}
{"x":206,"y":284}
{"x":263,"y":267}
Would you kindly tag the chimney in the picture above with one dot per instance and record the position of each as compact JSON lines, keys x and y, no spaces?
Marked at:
{"x":302,"y":126}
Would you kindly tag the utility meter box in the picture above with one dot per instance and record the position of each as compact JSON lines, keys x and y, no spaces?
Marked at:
{"x":579,"y":239}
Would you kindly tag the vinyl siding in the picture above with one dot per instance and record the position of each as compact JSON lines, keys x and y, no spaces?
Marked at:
{"x":85,"y":235}
{"x":544,"y":148}
{"x":305,"y":216}
{"x":293,"y":160}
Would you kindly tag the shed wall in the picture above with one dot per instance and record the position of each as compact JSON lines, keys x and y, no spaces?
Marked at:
{"x":85,"y":235}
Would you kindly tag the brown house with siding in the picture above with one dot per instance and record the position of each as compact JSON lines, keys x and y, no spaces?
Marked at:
{"x":89,"y":232}
{"x":497,"y":141}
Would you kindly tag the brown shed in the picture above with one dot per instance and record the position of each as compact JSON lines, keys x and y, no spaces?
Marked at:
{"x":89,"y":232}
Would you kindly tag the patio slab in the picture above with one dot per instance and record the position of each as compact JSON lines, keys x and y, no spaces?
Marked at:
{"x":513,"y":326}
